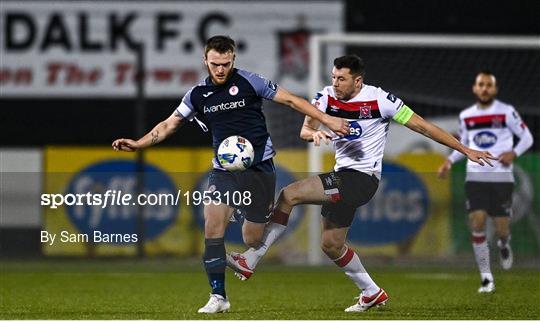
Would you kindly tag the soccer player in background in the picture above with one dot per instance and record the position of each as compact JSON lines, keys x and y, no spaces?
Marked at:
{"x":231,"y":101}
{"x":356,"y":174}
{"x":490,"y":125}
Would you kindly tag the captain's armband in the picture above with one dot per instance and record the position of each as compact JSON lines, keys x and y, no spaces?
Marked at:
{"x":404,"y":115}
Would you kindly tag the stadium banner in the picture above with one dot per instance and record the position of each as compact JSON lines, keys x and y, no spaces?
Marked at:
{"x":525,"y":221}
{"x":88,"y":48}
{"x":110,"y":228}
{"x":409,"y":214}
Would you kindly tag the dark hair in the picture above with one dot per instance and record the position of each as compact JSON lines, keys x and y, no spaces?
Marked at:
{"x":483,"y":72}
{"x":352,"y":62}
{"x":221,"y":44}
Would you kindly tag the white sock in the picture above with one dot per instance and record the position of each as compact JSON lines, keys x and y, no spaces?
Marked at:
{"x":502,"y":243}
{"x":272,"y":232}
{"x":481,"y":253}
{"x":353,"y":268}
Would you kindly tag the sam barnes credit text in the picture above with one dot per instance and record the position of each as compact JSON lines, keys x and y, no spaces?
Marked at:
{"x":96,"y":237}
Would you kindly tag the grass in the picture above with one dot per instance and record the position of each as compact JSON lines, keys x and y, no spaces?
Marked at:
{"x":175,"y":290}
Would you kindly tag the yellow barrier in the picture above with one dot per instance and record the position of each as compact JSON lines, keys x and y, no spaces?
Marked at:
{"x":183,"y":237}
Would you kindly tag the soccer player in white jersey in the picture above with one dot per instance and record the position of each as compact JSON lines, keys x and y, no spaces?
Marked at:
{"x":356,"y":174}
{"x":490,"y":125}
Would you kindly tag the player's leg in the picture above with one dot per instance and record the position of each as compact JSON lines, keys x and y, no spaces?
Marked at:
{"x":216,"y":218}
{"x":309,"y":190}
{"x":333,"y":245}
{"x":337,"y":218}
{"x":477,"y":205}
{"x":260,"y":181}
{"x":306,"y":191}
{"x":501,"y":219}
{"x":502,"y":227}
{"x":352,"y":190}
{"x":477,"y":220}
{"x":252,"y":233}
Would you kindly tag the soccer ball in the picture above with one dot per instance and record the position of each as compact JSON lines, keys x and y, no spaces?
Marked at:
{"x":235,"y":153}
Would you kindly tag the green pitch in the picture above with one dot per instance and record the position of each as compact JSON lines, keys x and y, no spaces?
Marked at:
{"x":155,"y":289}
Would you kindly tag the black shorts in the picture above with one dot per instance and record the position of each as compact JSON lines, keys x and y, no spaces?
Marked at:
{"x":493,"y":197}
{"x":349,"y":189}
{"x":232,"y":188}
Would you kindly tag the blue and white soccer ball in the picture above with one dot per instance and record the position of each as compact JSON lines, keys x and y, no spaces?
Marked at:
{"x":235,"y":153}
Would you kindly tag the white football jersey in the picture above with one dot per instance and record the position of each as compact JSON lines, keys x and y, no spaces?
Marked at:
{"x":491,"y":129}
{"x":369,"y":114}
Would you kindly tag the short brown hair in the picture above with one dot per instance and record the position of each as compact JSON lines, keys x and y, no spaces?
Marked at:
{"x":221,"y":44}
{"x":483,"y":72}
{"x":354,"y":63}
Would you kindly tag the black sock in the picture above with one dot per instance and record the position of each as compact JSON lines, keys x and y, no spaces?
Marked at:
{"x":214,"y":263}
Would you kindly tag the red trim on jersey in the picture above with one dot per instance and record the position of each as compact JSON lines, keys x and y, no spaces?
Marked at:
{"x":352,"y":106}
{"x":345,"y":259}
{"x":486,"y":118}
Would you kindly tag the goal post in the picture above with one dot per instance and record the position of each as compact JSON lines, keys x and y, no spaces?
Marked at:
{"x":509,"y":50}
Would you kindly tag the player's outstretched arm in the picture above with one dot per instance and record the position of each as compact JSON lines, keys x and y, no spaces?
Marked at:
{"x":336,"y":124}
{"x":159,"y":133}
{"x":430,"y":130}
{"x":310,"y":132}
